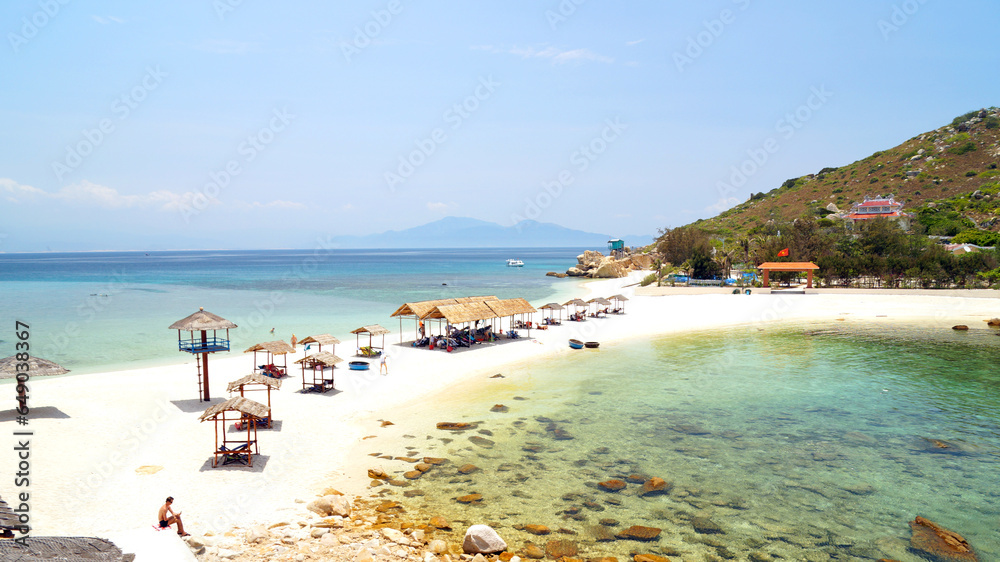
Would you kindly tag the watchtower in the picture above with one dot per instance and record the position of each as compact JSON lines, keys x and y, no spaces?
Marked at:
{"x":203,"y":344}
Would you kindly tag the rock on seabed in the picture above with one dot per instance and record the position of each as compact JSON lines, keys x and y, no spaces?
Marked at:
{"x":482,"y":539}
{"x":939,"y":544}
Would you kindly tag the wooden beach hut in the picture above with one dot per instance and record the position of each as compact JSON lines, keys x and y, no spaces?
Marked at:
{"x":256,"y":382}
{"x":320,"y":341}
{"x":511,"y":308}
{"x":552,"y":307}
{"x":619,"y":304}
{"x":807,"y":267}
{"x":202,"y":345}
{"x":273,"y":349}
{"x":317,"y":364}
{"x":230,"y":448}
{"x":470,"y":313}
{"x":372,"y":331}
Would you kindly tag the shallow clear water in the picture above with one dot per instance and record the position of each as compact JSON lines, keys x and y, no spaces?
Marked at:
{"x":798,"y":442}
{"x":110,"y":310}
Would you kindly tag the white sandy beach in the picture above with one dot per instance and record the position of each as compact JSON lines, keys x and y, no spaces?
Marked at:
{"x":92,"y":433}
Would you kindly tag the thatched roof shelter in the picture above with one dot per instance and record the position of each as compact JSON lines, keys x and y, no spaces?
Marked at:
{"x":253,"y":378}
{"x":323,"y":358}
{"x":37,"y":367}
{"x":575,"y":302}
{"x":372,"y":330}
{"x":202,"y":320}
{"x":235,"y":404}
{"x":600,"y":300}
{"x":417,"y":311}
{"x":320,"y":341}
{"x":510,"y":307}
{"x":247,"y":413}
{"x":462,"y":312}
{"x":318,"y":363}
{"x":618,"y":298}
{"x":47,"y":549}
{"x":9,"y":521}
{"x":279,"y":347}
{"x":552,"y":307}
{"x":619,"y":303}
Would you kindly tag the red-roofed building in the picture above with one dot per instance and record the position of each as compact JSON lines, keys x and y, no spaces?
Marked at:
{"x":879,"y":207}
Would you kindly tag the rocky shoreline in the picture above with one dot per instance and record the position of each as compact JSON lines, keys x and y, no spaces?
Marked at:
{"x":595,"y":265}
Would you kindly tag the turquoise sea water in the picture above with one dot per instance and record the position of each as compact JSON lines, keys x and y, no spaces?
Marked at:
{"x":797,"y":442}
{"x":108,"y":310}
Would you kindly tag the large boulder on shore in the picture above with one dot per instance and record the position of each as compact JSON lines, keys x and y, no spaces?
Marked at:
{"x":330,"y":505}
{"x":482,"y":539}
{"x":589,"y":258}
{"x":575,"y":272}
{"x":609,"y":268}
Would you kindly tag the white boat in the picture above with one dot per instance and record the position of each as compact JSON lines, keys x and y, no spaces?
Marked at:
{"x":515,"y":263}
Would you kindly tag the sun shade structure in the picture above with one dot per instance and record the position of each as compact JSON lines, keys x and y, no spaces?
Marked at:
{"x":511,"y":308}
{"x":256,"y":382}
{"x":10,"y":522}
{"x":39,"y":549}
{"x":244,"y":411}
{"x":552,"y":307}
{"x":619,"y":303}
{"x":200,"y":346}
{"x":372,"y":331}
{"x":320,"y":341}
{"x":37,"y":367}
{"x":799,"y":267}
{"x":318,"y":363}
{"x":416,"y":311}
{"x":576,"y":304}
{"x":272,"y":348}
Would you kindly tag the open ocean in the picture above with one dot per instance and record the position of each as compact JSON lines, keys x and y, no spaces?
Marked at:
{"x":103,"y":311}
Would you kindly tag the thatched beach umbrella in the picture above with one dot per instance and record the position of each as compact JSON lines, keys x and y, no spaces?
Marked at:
{"x":272,"y":348}
{"x":319,"y":362}
{"x":575,"y":303}
{"x":552,"y":307}
{"x":600,"y":301}
{"x":619,"y":303}
{"x":320,"y":341}
{"x":36,"y":367}
{"x":252,"y":381}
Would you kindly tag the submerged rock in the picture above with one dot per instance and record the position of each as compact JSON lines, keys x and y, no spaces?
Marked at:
{"x":467,"y":469}
{"x":706,"y":526}
{"x":500,"y":408}
{"x":481,"y":441}
{"x":612,"y":485}
{"x":939,"y":544}
{"x":560,"y":548}
{"x":455,"y":426}
{"x":655,"y":485}
{"x":960,"y":328}
{"x":470,"y":498}
{"x":439,"y":522}
{"x":639,"y":533}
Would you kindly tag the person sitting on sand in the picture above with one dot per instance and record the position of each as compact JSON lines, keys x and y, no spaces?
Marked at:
{"x":166,"y":521}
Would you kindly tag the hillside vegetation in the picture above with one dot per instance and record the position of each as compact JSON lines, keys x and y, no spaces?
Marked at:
{"x":934,"y":174}
{"x":948,"y":179}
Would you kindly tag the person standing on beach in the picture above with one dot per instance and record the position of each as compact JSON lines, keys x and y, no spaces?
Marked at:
{"x":384,"y":365}
{"x":294,"y":341}
{"x":166,"y":521}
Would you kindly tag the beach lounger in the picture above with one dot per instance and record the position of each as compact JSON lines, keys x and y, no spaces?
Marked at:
{"x":240,"y":454}
{"x":367,"y":351}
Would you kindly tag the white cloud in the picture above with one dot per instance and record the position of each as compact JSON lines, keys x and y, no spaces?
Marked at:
{"x":554,"y":54}
{"x":636,"y":42}
{"x":278,"y":204}
{"x":438,"y":207}
{"x":14,"y":189}
{"x":724,"y":203}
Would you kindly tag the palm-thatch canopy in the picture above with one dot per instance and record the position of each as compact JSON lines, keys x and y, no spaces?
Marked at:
{"x":374,"y":330}
{"x":600,"y":300}
{"x":202,"y":320}
{"x":238,"y":404}
{"x":575,"y":302}
{"x":9,"y":521}
{"x":39,"y":549}
{"x":254,"y":378}
{"x":37,"y":367}
{"x":322,"y":339}
{"x":618,"y":298}
{"x":278,"y":347}
{"x":510,"y":307}
{"x":421,"y":308}
{"x":551,"y":306}
{"x":324,"y":358}
{"x":462,"y":312}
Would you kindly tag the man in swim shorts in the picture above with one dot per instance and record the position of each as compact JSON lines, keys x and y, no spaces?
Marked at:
{"x":166,"y":521}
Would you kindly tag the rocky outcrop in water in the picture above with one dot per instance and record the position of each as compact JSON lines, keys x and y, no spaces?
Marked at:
{"x":596,"y":265}
{"x":936,"y":543}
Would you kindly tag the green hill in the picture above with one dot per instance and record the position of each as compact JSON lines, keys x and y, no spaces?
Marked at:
{"x":948,"y":177}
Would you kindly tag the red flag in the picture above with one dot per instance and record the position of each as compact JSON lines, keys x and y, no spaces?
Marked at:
{"x":783,"y":253}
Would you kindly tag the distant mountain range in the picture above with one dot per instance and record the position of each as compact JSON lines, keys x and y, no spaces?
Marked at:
{"x":463,"y":232}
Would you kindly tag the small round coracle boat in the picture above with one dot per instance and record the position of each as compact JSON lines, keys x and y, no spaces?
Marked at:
{"x":358,"y":365}
{"x":576,"y":344}
{"x":592,"y":344}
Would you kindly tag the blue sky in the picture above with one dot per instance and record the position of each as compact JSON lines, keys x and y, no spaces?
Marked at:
{"x":247,"y":124}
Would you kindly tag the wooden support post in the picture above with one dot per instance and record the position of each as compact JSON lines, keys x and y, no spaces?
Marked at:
{"x":204,"y":364}
{"x":809,"y":279}
{"x":766,"y":283}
